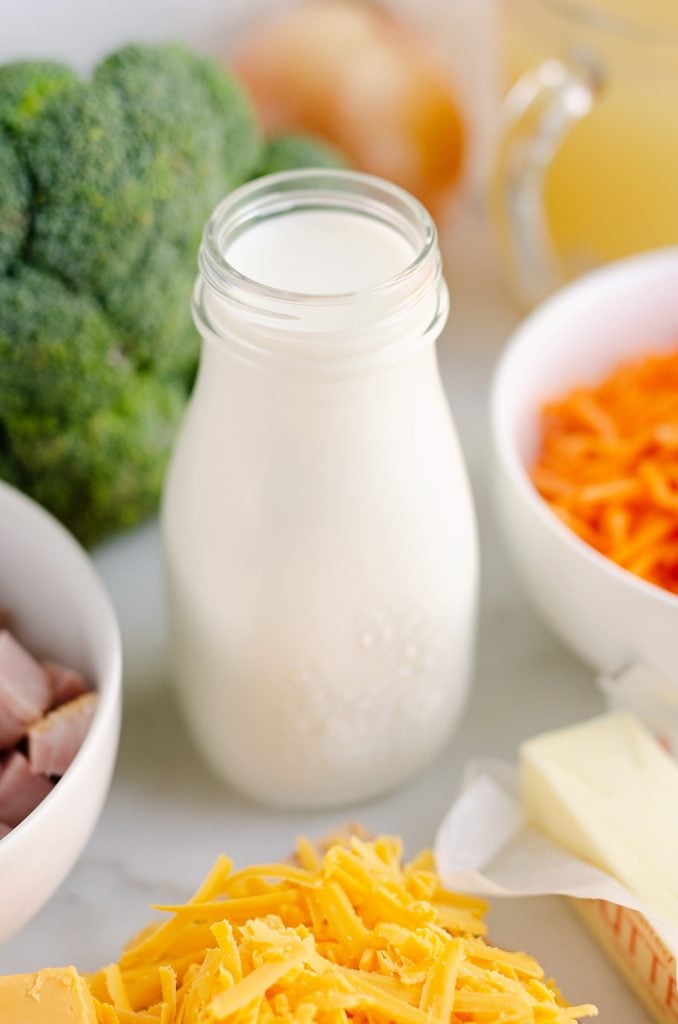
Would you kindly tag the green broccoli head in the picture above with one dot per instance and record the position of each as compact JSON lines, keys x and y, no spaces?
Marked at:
{"x":287,"y":152}
{"x":104,"y":189}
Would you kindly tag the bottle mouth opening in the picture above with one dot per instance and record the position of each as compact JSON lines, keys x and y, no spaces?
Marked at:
{"x":243,"y":295}
{"x":277,"y":195}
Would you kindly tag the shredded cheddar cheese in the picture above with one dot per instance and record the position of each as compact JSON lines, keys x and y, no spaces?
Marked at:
{"x":351,"y":936}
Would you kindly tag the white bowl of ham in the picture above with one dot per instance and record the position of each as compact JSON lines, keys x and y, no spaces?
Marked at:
{"x":60,"y":693}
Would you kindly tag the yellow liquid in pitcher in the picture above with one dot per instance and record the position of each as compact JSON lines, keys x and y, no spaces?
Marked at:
{"x":612,"y":187}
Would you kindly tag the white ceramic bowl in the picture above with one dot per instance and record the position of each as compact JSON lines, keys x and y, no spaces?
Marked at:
{"x":60,"y":609}
{"x":607,"y":615}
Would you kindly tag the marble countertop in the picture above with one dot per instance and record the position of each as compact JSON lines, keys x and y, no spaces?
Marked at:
{"x":166,"y":818}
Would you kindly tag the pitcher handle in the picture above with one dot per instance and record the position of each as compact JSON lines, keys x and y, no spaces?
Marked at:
{"x":537,"y":115}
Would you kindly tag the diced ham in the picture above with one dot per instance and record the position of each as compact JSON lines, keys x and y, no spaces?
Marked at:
{"x":4,"y":830}
{"x":25,"y":693}
{"x":20,"y":789}
{"x":54,"y":741}
{"x":66,"y":683}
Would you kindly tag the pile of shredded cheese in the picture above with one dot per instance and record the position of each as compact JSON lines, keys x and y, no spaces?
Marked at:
{"x":609,"y":466}
{"x":350,"y":936}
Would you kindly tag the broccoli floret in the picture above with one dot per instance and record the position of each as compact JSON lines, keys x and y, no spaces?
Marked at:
{"x":231,"y":106}
{"x":25,"y":88}
{"x":153,"y":321}
{"x":15,"y":195}
{"x":92,"y":212}
{"x":287,"y":152}
{"x":106,"y":474}
{"x":194,"y":134}
{"x":143,"y":152}
{"x":134,"y":441}
{"x":59,"y":354}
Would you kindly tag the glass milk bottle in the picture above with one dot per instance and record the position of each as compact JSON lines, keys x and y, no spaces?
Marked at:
{"x":318,"y":525}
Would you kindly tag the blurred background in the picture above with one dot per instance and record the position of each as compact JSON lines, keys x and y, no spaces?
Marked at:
{"x":462,"y":36}
{"x":560,"y":115}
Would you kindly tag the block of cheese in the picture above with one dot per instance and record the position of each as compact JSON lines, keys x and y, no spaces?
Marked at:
{"x":606,"y":791}
{"x":53,"y":996}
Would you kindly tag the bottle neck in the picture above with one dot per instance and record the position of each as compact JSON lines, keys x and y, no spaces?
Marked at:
{"x":283,"y":264}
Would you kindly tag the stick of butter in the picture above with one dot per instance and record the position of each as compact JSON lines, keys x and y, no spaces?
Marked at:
{"x":53,"y":996}
{"x":607,"y":792}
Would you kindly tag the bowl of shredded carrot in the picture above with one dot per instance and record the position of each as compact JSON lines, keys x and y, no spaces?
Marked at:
{"x":584,"y":415}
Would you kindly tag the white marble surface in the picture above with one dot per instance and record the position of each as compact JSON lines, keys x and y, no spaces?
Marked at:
{"x":166,"y":818}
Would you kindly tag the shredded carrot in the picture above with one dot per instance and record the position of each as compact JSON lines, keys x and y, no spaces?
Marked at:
{"x":609,"y":466}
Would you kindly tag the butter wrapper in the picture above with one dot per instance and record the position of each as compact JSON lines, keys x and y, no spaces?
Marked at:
{"x":484,"y":846}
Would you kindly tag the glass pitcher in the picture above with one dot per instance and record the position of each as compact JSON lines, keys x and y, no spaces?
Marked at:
{"x":319,"y":533}
{"x":586,"y":168}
